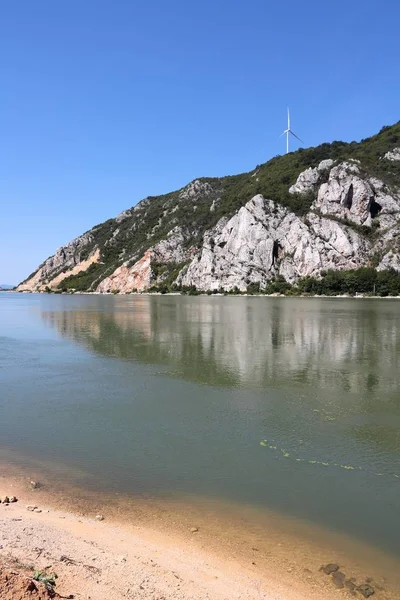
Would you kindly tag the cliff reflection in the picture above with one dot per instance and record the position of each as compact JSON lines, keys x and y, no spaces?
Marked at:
{"x":343,"y":345}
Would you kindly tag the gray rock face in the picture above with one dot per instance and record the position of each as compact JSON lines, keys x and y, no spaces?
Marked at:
{"x":393,"y":155}
{"x":123,"y":215}
{"x":325,"y":165}
{"x":172,"y":248}
{"x":68,"y":255}
{"x":195,"y":189}
{"x":306,"y":182}
{"x":264,"y":240}
{"x":64,"y":258}
{"x":308,"y":179}
{"x":348,"y":196}
{"x":236,"y":248}
{"x":391,"y":260}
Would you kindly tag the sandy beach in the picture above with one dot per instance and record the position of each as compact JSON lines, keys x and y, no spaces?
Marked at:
{"x":99,"y":559}
{"x":115,"y":559}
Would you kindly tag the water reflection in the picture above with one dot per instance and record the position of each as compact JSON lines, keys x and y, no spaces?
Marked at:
{"x":351,"y":346}
{"x":334,"y":360}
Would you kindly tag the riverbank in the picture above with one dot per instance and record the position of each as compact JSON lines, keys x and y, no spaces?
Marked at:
{"x":153,"y":552}
{"x":94,"y":558}
{"x":214,"y":295}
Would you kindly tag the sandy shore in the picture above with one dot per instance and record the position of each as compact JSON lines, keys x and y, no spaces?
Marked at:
{"x":102,"y":560}
{"x":112,"y":560}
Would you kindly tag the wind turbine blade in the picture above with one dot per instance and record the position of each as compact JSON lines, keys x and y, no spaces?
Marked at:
{"x":284,"y":133}
{"x":288,"y":118}
{"x":296,"y":137}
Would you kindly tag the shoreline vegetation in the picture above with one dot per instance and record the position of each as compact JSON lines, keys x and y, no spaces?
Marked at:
{"x":177,"y":551}
{"x":364,"y":282}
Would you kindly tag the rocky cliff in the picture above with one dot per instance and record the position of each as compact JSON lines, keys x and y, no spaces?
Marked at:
{"x":336,"y":206}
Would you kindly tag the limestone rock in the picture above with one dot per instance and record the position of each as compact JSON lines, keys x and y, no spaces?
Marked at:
{"x":393,"y":155}
{"x":264,"y":240}
{"x":171,"y":248}
{"x":195,"y":189}
{"x":66,"y":258}
{"x":326,"y":164}
{"x":391,"y":260}
{"x":124,"y":215}
{"x":306,"y":182}
{"x":346,"y":195}
{"x":308,"y":179}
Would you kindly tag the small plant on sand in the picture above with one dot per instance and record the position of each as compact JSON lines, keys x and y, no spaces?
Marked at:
{"x":48,"y":579}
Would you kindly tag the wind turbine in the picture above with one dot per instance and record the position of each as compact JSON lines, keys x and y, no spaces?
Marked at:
{"x":289,"y":131}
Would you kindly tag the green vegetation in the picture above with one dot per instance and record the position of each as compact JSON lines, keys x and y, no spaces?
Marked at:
{"x":154,"y":217}
{"x":359,"y":281}
{"x":365,"y":280}
{"x":48,"y":579}
{"x":168,"y":274}
{"x":81,"y":281}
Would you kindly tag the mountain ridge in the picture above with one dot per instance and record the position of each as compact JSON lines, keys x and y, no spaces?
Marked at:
{"x":339,"y":202}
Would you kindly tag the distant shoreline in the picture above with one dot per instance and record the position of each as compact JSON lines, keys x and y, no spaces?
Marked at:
{"x":216,"y":294}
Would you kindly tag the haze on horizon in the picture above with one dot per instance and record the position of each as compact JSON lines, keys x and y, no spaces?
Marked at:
{"x":104,"y":103}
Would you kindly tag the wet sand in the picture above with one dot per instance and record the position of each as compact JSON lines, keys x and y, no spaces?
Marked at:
{"x":178,"y":548}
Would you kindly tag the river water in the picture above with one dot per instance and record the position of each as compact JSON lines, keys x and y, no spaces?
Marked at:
{"x":290,"y":405}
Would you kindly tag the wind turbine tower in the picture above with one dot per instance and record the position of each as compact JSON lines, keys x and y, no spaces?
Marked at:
{"x":289,"y":132}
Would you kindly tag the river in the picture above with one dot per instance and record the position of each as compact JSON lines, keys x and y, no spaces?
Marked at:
{"x":283,"y":404}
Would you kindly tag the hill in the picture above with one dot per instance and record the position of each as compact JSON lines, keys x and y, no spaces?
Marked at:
{"x":332,"y":207}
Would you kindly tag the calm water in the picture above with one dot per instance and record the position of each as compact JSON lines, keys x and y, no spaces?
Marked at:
{"x":287,"y":404}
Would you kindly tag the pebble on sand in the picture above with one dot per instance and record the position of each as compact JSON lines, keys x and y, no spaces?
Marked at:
{"x":366,"y":590}
{"x":7,"y":500}
{"x":330,"y":568}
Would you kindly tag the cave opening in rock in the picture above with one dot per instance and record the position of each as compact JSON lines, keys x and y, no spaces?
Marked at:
{"x":276,"y":248}
{"x":374,"y":208}
{"x":348,"y":201}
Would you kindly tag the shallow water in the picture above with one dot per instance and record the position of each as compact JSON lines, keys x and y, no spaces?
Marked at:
{"x":284,"y":404}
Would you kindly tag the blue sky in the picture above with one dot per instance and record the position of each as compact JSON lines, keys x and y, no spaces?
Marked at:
{"x":104,"y":102}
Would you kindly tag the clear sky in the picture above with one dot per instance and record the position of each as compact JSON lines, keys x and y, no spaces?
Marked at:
{"x":103,"y":102}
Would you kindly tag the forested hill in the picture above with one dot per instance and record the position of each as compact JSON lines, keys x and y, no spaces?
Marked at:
{"x":335,"y":206}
